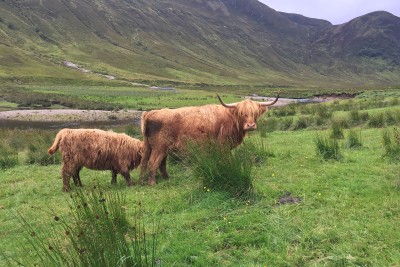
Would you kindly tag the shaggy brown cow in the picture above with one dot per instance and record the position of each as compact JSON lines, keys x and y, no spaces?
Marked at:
{"x":97,"y":150}
{"x":168,"y":130}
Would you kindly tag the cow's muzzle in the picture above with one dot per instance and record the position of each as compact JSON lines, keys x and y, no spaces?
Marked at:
{"x":250,"y":127}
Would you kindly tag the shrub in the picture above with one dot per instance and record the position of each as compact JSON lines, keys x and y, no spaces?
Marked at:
{"x":354,"y":139}
{"x":223,"y":169}
{"x":391,"y":144}
{"x":97,"y":233}
{"x":328,"y":148}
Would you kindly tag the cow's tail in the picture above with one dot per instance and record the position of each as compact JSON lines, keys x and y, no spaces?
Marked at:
{"x":56,"y":143}
{"x":146,"y":146}
{"x":143,"y":125}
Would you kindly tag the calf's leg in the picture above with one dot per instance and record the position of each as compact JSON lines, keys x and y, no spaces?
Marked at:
{"x":127,"y":177}
{"x":114,"y":176}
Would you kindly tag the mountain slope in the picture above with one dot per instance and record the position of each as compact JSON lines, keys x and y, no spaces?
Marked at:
{"x":198,"y":41}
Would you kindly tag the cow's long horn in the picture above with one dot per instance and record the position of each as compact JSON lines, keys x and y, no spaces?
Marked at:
{"x":233,"y":105}
{"x":266,"y":104}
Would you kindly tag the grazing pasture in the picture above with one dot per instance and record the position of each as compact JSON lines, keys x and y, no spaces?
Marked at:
{"x":304,"y":210}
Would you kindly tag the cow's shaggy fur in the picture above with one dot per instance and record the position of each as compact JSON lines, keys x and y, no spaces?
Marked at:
{"x":97,"y":150}
{"x":169,"y":130}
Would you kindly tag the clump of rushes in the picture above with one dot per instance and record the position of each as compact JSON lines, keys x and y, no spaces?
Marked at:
{"x":223,"y":169}
{"x":96,"y":233}
{"x":376,"y":121}
{"x":8,"y":156}
{"x":354,"y":139}
{"x":37,"y":149}
{"x":327,"y":148}
{"x":391,"y":144}
{"x":301,"y":123}
{"x":336,"y":130}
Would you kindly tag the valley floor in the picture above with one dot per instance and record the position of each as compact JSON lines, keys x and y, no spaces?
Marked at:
{"x":68,"y":115}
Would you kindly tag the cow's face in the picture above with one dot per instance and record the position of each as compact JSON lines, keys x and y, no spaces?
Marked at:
{"x":247,"y":112}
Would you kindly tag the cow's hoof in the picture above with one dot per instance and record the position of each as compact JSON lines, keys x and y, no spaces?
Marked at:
{"x":151,"y":182}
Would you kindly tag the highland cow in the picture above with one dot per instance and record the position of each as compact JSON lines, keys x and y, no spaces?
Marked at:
{"x":97,"y":150}
{"x":168,"y":130}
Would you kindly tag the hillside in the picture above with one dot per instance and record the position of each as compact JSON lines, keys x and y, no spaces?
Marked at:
{"x":195,"y":41}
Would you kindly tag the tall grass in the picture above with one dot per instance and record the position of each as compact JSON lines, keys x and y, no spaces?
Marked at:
{"x":227,"y":170}
{"x":37,"y":146}
{"x":391,"y":144}
{"x":96,"y":233}
{"x":336,"y":130}
{"x":354,"y":139}
{"x":376,"y":121}
{"x":8,"y":156}
{"x":327,"y":148}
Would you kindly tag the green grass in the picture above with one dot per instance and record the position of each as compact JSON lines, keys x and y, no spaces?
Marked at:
{"x":5,"y":105}
{"x":108,"y":96}
{"x":94,"y":233}
{"x":348,"y":214}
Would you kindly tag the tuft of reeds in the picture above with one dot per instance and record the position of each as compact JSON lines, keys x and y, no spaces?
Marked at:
{"x":96,"y":233}
{"x":267,"y":125}
{"x":353,"y":139}
{"x":37,"y":150}
{"x":8,"y":156}
{"x":391,"y":144}
{"x":301,"y":123}
{"x":376,"y":121}
{"x":336,"y":130}
{"x":223,"y":169}
{"x":328,"y":148}
{"x":285,"y":123}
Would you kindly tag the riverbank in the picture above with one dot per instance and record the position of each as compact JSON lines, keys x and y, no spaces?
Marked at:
{"x":62,"y":118}
{"x":69,"y":115}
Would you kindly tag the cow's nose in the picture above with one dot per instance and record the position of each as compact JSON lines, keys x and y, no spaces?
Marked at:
{"x":251,"y":126}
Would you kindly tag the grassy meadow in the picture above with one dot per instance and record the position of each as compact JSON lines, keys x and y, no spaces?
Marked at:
{"x":36,"y":92}
{"x":304,"y":209}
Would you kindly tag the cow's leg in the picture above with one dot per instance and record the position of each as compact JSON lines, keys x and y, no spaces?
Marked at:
{"x":114,"y":176}
{"x":65,"y":174}
{"x":76,"y":177}
{"x":144,"y":164}
{"x":163,"y":168}
{"x":154,"y":164}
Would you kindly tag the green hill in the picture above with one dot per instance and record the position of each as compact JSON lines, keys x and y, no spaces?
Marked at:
{"x":195,"y":41}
